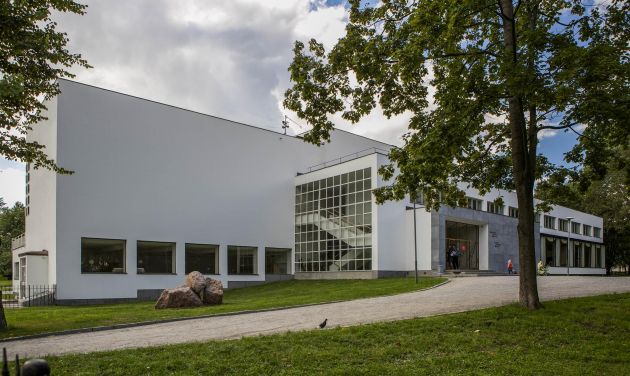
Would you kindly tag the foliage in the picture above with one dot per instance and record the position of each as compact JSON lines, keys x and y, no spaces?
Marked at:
{"x":272,"y":295}
{"x":586,"y":336}
{"x":11,"y":226}
{"x":33,"y":56}
{"x":502,"y":71}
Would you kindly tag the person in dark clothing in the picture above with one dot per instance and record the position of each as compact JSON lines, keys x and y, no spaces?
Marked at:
{"x":455,"y":257}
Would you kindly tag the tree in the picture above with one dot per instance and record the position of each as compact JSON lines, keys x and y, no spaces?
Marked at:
{"x":33,"y":56}
{"x":502,"y":71}
{"x":11,"y":226}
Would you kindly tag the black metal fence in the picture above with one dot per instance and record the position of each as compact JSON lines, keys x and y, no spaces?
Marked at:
{"x":29,"y":296}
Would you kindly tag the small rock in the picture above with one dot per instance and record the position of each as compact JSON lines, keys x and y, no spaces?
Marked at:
{"x":213,"y":293}
{"x":180,"y":297}
{"x":196,"y":281}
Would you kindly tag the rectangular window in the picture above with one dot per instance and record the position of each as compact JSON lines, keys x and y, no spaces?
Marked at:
{"x":242,"y":260}
{"x":586,"y":230}
{"x":156,"y":257}
{"x":588,"y":261}
{"x":598,"y":257}
{"x":277,"y":260}
{"x":102,"y":255}
{"x":575,"y":227}
{"x":563,"y":253}
{"x":474,"y":204}
{"x":550,"y":222}
{"x":16,"y":271}
{"x":203,"y":258}
{"x":577,"y":255}
{"x":597,"y":232}
{"x":494,"y":208}
{"x":513,"y":212}
{"x":550,"y":252}
{"x":562,"y":224}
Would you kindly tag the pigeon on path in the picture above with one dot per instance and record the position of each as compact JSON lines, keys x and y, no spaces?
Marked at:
{"x":323,"y":324}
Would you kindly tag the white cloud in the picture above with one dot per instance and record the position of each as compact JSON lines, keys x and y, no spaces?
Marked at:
{"x":12,"y":185}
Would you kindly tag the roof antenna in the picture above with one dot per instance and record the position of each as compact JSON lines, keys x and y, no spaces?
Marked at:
{"x":285,"y":124}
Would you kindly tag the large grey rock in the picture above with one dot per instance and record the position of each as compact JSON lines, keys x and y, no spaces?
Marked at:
{"x":213,"y":292}
{"x":179,"y":297}
{"x":196,"y":281}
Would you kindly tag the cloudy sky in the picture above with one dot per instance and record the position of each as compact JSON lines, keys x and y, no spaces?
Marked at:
{"x":225,"y":58}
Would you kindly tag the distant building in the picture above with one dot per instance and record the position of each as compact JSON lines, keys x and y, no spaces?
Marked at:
{"x":160,"y":191}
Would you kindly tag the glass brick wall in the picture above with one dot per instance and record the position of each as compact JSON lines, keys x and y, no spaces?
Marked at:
{"x":333,"y":223}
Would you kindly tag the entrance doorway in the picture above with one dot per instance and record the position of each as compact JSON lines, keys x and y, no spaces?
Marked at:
{"x":465,"y":238}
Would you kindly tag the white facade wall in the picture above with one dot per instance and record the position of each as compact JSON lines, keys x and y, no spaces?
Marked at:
{"x":148,"y":171}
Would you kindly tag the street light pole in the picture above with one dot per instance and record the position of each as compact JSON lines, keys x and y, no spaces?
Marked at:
{"x":415,"y":237}
{"x":568,"y":242}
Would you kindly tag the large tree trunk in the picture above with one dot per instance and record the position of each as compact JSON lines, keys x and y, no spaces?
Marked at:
{"x":523,"y":166}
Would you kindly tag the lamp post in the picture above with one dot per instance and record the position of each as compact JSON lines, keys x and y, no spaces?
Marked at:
{"x":415,"y":237}
{"x":568,"y":242}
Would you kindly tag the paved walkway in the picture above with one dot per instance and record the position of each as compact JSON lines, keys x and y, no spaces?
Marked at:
{"x":461,"y":294}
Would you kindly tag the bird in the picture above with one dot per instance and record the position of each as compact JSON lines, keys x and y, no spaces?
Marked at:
{"x":323,"y":324}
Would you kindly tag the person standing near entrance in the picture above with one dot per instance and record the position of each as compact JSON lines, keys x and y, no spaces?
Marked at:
{"x":449,"y":257}
{"x":455,"y":257}
{"x":510,"y":266}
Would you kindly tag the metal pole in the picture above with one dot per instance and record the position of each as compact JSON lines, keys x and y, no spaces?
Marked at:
{"x":568,"y":243}
{"x":415,"y":240}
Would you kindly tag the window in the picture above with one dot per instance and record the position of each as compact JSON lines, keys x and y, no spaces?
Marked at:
{"x":597,"y":232}
{"x":203,"y":258}
{"x":575,"y":227}
{"x":333,"y":232}
{"x":474,"y":204}
{"x":102,"y":255}
{"x":563,"y":253}
{"x":586,"y":230}
{"x":598,"y":257}
{"x":513,"y":212}
{"x":563,"y":224}
{"x":242,"y":260}
{"x":577,"y":255}
{"x":494,"y":208}
{"x":156,"y":258}
{"x":16,"y":271}
{"x":550,"y":222}
{"x":277,"y":260}
{"x":588,"y":261}
{"x":550,"y":252}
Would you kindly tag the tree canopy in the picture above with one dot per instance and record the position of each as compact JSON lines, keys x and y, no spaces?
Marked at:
{"x":502,"y":72}
{"x":33,"y":56}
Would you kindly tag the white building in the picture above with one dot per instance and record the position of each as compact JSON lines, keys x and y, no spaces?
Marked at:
{"x":159,"y":191}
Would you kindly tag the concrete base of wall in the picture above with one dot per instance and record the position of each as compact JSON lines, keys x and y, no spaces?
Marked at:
{"x":79,"y":302}
{"x":372,"y":274}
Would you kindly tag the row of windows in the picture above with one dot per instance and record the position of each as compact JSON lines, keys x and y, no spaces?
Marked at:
{"x":576,"y":227}
{"x":583,"y":255}
{"x":27,"y":208}
{"x":477,"y":204}
{"x":109,"y":256}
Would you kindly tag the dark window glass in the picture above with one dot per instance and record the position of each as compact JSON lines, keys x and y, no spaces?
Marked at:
{"x":202,"y":258}
{"x":156,"y":257}
{"x":242,"y":260}
{"x":102,"y":255}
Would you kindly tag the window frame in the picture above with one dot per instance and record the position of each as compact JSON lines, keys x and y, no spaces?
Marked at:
{"x":124,"y":255}
{"x":216,"y":257}
{"x":272,"y":250}
{"x":549,"y":222}
{"x":173,"y":258}
{"x":238,"y":254}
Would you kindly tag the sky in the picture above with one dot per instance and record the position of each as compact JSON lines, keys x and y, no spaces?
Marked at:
{"x":224,"y":58}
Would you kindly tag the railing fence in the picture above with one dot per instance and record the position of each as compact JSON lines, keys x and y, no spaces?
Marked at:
{"x":29,"y":296}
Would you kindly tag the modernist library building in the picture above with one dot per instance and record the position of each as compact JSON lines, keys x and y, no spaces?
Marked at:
{"x":159,"y":191}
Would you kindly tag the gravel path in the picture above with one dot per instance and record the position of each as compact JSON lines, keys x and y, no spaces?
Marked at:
{"x":461,"y":294}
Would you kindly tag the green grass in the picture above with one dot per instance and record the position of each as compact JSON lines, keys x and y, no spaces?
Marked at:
{"x":6,"y":282}
{"x":273,"y":295}
{"x":586,"y":336}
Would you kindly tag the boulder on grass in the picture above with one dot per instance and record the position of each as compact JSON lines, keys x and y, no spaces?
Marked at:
{"x":213,"y":293}
{"x":179,"y":297}
{"x":196,"y":281}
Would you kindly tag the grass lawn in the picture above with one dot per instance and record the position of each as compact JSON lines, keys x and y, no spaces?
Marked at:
{"x":6,"y":282}
{"x":570,"y":337}
{"x":34,"y":320}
